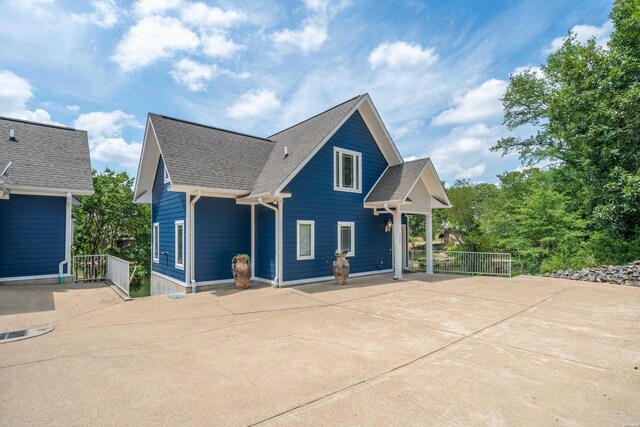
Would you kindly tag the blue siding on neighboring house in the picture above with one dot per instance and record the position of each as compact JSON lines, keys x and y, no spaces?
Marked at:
{"x":313,"y":198}
{"x":166,"y":208}
{"x":32,"y":231}
{"x":222,"y":230}
{"x":265,"y":258}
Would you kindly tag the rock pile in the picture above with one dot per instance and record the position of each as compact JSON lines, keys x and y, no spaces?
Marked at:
{"x":618,"y":275}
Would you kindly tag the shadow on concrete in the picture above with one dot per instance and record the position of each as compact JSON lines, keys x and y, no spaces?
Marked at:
{"x":230,"y":289}
{"x":19,"y":299}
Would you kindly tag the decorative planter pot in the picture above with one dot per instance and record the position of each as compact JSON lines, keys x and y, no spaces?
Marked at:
{"x":341,"y":269}
{"x":241,"y":273}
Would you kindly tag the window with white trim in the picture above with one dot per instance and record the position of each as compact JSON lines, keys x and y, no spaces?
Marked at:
{"x":347,"y":237}
{"x":180,"y":244}
{"x":305,"y":240}
{"x":347,"y":168}
{"x":166,"y":173}
{"x":156,"y":242}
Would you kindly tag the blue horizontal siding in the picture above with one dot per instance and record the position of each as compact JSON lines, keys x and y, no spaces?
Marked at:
{"x":32,"y":231}
{"x":167,"y":207}
{"x":222,"y":230}
{"x":265,"y":256}
{"x":313,"y":198}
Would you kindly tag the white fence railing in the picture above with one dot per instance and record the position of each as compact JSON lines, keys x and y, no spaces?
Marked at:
{"x":95,"y":268}
{"x":118,"y":273}
{"x":477,"y":263}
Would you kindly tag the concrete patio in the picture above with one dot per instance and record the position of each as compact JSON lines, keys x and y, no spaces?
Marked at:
{"x":422,"y":351}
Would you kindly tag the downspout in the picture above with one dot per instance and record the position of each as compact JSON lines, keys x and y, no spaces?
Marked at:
{"x":67,"y":242}
{"x":192,"y":247}
{"x":397,"y":242}
{"x":276,"y":280}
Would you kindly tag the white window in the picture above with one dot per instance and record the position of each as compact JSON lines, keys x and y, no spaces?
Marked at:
{"x":306,"y":240}
{"x":166,"y":173}
{"x":347,"y":167}
{"x":180,"y":244}
{"x":156,"y":242}
{"x":347,"y":237}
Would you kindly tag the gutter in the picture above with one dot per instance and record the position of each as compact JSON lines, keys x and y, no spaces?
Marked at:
{"x":67,"y":242}
{"x":276,"y":280}
{"x":192,"y":247}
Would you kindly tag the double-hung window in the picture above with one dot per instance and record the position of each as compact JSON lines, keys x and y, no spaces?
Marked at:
{"x":156,"y":242}
{"x":306,"y":240}
{"x":180,"y":244}
{"x":347,"y":237}
{"x":347,"y":167}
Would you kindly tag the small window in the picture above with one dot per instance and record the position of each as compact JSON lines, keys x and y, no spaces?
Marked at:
{"x":347,"y":166}
{"x":166,"y":173}
{"x":180,"y":244}
{"x":306,"y":240}
{"x":346,"y":237}
{"x":156,"y":242}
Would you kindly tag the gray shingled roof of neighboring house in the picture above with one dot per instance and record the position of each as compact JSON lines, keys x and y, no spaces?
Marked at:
{"x":300,"y":141}
{"x":45,"y":156}
{"x":397,"y":181}
{"x":208,"y":157}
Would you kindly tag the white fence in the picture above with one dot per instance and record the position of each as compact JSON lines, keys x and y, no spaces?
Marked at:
{"x":95,"y":268}
{"x":476,"y":263}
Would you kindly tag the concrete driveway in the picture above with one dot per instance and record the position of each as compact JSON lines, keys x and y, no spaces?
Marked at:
{"x":423,"y":351}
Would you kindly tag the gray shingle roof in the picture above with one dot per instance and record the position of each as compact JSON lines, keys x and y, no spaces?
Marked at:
{"x":45,"y":156}
{"x":300,"y":141}
{"x":397,"y":181}
{"x":208,"y":157}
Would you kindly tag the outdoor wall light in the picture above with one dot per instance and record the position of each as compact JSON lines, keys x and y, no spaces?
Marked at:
{"x":388,"y":226}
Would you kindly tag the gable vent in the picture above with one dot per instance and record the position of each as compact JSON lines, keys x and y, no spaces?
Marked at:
{"x":12,"y":135}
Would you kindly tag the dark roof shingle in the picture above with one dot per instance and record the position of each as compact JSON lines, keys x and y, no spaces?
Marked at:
{"x":45,"y":156}
{"x":396,"y":182}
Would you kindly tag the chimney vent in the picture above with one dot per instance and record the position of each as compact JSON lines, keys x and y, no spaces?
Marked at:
{"x":12,"y":135}
{"x":286,"y":151}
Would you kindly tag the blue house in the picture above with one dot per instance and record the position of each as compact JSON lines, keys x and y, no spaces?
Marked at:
{"x":335,"y":180}
{"x":42,"y":169}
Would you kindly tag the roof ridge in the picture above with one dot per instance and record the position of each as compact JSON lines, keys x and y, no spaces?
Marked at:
{"x":211,"y":127}
{"x":316,"y":115}
{"x":50,"y":125}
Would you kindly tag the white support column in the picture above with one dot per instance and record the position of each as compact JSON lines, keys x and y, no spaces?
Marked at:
{"x":429,"y":242}
{"x":69,"y":232}
{"x":253,"y":241}
{"x":397,"y":243}
{"x":280,"y":240}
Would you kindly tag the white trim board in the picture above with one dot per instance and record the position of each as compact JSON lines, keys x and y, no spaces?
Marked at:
{"x":327,"y":278}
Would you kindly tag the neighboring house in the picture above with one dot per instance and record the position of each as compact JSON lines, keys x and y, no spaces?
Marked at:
{"x":47,"y":167}
{"x":335,"y":180}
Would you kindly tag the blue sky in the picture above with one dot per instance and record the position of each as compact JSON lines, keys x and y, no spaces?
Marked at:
{"x":435,"y":69}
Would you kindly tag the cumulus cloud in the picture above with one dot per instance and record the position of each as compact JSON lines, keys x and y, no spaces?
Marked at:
{"x":254,"y":103}
{"x":401,"y":54}
{"x":219,"y":45}
{"x":480,"y":103}
{"x":210,"y":16}
{"x":105,"y":14}
{"x":73,"y":108}
{"x":602,"y":34}
{"x":106,"y":143}
{"x":15,"y":93}
{"x":195,"y":75}
{"x":152,"y":7}
{"x":151,"y":39}
{"x":534,"y":69}
{"x":310,"y":37}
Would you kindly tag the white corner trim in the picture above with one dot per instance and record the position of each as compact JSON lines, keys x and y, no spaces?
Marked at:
{"x":312,"y":240}
{"x":327,"y":278}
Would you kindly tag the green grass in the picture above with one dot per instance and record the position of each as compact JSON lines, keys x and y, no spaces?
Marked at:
{"x":144,"y":291}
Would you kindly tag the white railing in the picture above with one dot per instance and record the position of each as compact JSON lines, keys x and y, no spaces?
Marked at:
{"x":96,"y":268}
{"x":476,"y":263}
{"x":118,"y":273}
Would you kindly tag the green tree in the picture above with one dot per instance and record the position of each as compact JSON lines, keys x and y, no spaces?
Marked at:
{"x":109,"y":217}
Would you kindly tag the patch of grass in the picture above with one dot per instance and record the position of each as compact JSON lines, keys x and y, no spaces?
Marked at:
{"x":144,"y":291}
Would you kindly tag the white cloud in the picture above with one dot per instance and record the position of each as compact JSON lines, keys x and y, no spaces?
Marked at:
{"x":480,"y":103}
{"x":218,"y":45}
{"x":151,"y":39}
{"x":105,"y":14}
{"x":201,"y":14}
{"x":583,"y":33}
{"x":534,"y":69}
{"x":15,"y":92}
{"x":254,"y":103}
{"x":153,"y":7}
{"x":402,"y":54}
{"x":105,"y":137}
{"x":310,"y":37}
{"x":73,"y":108}
{"x":472,"y":172}
{"x":192,"y":74}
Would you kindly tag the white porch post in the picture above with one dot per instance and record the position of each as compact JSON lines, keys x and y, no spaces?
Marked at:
{"x":397,"y":243}
{"x":429,"y":243}
{"x":253,"y":241}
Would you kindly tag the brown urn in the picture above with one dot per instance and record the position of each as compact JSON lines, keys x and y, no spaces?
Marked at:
{"x":341,"y":269}
{"x":241,"y":273}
